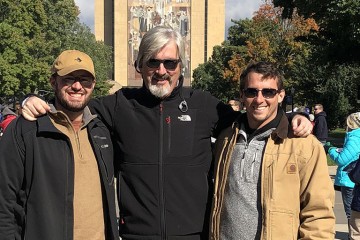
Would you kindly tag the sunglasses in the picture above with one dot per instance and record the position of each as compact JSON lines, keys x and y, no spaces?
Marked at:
{"x":266,"y":92}
{"x":86,"y":82}
{"x":169,"y":64}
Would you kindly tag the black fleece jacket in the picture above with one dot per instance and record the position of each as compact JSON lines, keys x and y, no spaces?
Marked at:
{"x":37,"y":180}
{"x":164,"y":156}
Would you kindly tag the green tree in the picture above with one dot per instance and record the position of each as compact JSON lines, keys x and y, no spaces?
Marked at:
{"x":210,"y":75}
{"x":266,"y":37}
{"x":33,"y":33}
{"x":331,"y":73}
{"x":339,"y":21}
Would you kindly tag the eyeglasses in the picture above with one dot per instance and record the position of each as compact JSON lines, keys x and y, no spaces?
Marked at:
{"x":84,"y":81}
{"x":316,"y":109}
{"x":169,"y":64}
{"x":266,"y":92}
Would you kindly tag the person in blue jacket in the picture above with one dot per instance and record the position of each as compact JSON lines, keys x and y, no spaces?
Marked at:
{"x":346,"y":155}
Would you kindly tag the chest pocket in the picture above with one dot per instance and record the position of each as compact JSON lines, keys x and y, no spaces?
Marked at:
{"x":179,"y":131}
{"x":105,"y":154}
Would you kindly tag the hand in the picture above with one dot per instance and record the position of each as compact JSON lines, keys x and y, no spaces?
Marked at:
{"x":328,"y":146}
{"x":34,"y":107}
{"x":301,"y":126}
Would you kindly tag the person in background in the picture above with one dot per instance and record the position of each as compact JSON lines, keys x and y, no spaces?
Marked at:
{"x":320,"y":127}
{"x":57,"y":176}
{"x":312,"y":120}
{"x":235,"y":104}
{"x":346,"y":157}
{"x":7,"y":117}
{"x":268,"y":184}
{"x":163,"y":132}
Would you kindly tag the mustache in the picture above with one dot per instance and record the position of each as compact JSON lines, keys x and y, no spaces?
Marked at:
{"x":162,"y":77}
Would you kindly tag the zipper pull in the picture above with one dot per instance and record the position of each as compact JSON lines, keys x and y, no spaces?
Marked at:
{"x":168,"y":120}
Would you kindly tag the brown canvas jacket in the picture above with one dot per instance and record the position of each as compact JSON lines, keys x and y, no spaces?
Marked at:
{"x":297,"y":194}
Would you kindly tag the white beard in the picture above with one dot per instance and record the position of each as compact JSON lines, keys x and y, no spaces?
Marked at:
{"x":160,"y":91}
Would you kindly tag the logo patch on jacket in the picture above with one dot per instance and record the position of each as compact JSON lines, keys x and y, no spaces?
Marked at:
{"x":291,"y":168}
{"x":185,"y":118}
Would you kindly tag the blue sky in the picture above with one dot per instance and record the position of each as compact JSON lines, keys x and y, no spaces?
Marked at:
{"x":235,"y":9}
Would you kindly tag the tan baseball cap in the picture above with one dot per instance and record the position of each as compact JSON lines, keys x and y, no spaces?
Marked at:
{"x":72,"y":60}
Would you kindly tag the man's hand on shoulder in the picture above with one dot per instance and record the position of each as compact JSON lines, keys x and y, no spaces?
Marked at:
{"x":33,"y":107}
{"x":301,"y":126}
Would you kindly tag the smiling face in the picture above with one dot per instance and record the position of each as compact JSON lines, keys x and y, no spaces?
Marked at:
{"x":73,"y":91}
{"x":159,"y":80}
{"x":260,"y":111}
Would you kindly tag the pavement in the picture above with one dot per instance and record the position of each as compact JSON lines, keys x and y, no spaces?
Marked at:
{"x":341,"y":221}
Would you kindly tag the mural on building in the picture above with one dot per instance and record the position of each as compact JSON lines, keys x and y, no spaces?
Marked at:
{"x":146,"y":14}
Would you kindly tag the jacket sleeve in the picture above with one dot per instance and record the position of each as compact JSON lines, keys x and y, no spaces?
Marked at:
{"x":11,"y":175}
{"x":317,"y":195}
{"x":349,"y":153}
{"x":104,"y":108}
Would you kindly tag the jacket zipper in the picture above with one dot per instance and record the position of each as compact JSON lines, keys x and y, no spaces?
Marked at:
{"x":168,"y":123}
{"x":161,"y":176}
{"x":70,"y":161}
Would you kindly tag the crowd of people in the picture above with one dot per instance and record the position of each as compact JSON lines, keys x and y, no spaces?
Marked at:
{"x":265,"y":178}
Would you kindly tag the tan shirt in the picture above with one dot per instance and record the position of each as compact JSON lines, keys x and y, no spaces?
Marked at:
{"x":88,"y":204}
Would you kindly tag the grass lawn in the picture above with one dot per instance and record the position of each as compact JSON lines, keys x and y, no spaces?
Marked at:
{"x":336,"y":137}
{"x":337,"y":133}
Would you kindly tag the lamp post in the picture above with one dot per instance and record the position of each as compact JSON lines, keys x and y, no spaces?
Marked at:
{"x":292,"y":90}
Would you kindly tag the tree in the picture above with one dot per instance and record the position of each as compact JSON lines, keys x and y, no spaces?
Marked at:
{"x":331,"y":73}
{"x":33,"y":33}
{"x":266,"y":37}
{"x":339,"y":21}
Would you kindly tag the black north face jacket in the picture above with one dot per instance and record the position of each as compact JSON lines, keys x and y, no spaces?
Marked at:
{"x":164,"y":156}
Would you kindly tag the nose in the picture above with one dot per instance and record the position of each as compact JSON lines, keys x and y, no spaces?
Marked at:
{"x":76,"y":85}
{"x":161,"y":70}
{"x":259,"y":97}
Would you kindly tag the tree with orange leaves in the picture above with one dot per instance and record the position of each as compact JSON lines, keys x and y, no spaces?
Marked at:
{"x":266,"y":37}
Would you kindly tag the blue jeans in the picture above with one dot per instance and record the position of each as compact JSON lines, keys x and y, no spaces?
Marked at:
{"x":347,"y":196}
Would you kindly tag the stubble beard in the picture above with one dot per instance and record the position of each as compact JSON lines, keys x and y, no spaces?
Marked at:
{"x":71,"y":106}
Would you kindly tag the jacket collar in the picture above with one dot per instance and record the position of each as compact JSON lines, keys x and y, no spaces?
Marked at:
{"x":59,"y":115}
{"x":45,"y":124}
{"x":281,"y":131}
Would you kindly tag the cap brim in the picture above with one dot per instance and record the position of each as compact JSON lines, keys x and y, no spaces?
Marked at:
{"x":73,"y":68}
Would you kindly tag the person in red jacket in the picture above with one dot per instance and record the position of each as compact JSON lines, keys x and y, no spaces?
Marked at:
{"x":8,"y":116}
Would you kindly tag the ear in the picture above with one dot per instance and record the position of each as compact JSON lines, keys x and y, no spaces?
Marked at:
{"x":53,"y":82}
{"x":241,"y":99}
{"x":94,"y":84}
{"x":281,"y":96}
{"x":137,"y":68}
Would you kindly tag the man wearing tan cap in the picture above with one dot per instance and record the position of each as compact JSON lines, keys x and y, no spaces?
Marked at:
{"x":57,"y":173}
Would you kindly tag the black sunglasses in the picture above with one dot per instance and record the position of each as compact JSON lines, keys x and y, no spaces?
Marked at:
{"x":84,"y":81}
{"x":266,"y":92}
{"x":169,"y":64}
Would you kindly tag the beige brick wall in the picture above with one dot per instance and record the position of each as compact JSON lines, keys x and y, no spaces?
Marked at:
{"x":119,"y":36}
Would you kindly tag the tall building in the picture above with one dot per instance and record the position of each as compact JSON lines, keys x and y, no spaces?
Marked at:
{"x":122,"y":23}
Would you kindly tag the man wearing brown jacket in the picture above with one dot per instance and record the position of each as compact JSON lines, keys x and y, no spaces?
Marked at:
{"x":268,"y":184}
